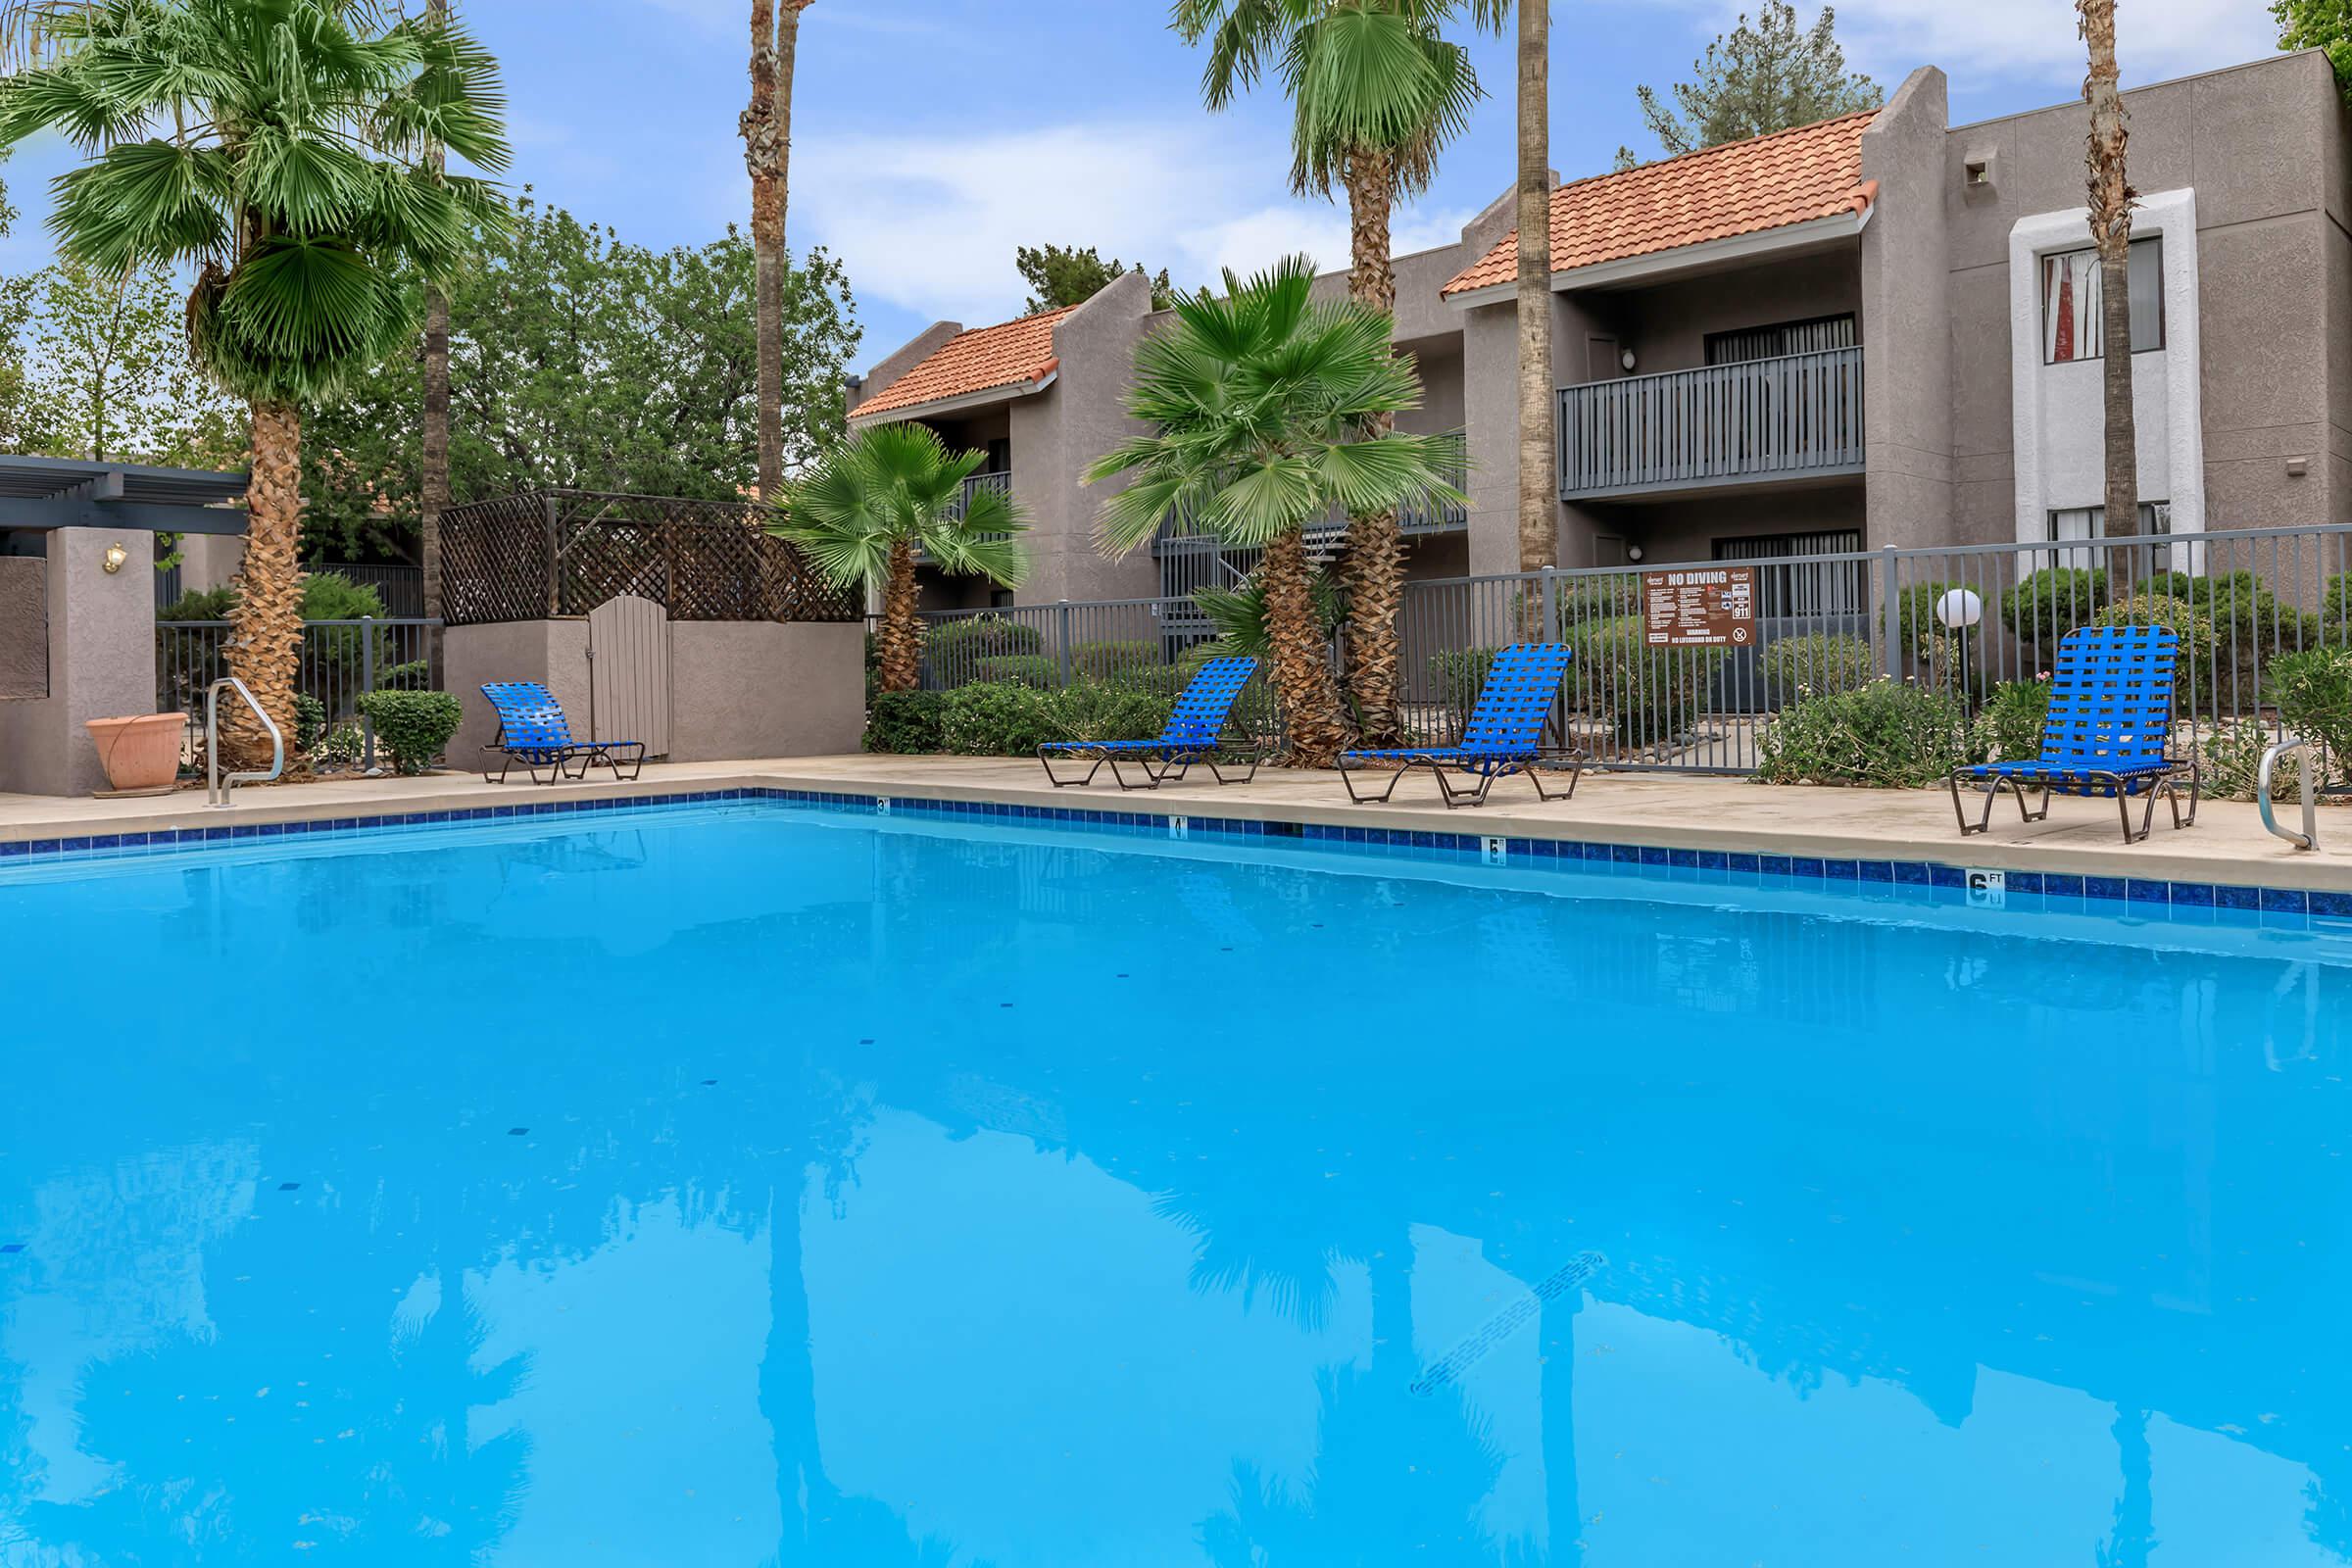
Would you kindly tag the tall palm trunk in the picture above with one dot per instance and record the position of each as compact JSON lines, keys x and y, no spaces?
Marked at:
{"x":266,"y":627}
{"x":1372,"y":567}
{"x":766,"y":127}
{"x":899,"y":643}
{"x":1539,"y":479}
{"x":432,"y":487}
{"x":1310,"y":701}
{"x":2111,"y":196}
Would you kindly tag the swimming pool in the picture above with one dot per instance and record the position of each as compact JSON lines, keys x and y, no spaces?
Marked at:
{"x":741,"y":1184}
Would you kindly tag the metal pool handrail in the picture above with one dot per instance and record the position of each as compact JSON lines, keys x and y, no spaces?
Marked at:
{"x":215,"y":786}
{"x":2309,"y":838}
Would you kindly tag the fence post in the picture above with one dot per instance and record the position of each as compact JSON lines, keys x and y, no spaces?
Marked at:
{"x":1063,"y":639}
{"x":1890,"y":565}
{"x":1551,"y":608}
{"x":366,"y":684}
{"x":555,"y":558}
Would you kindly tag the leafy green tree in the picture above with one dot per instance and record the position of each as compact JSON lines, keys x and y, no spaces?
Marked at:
{"x":276,"y":146}
{"x":579,"y":361}
{"x":1764,"y":75}
{"x":881,"y":496}
{"x":1267,"y":408}
{"x":1060,"y":275}
{"x":1377,"y":90}
{"x":2319,"y":25}
{"x":111,"y":373}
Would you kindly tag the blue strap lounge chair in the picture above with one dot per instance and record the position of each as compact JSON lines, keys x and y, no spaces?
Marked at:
{"x":2110,"y":719}
{"x":1192,"y":736}
{"x":1504,"y":734}
{"x":531,"y":730}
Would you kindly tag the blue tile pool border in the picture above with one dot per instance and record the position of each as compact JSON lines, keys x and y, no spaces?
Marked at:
{"x":1868,"y":878}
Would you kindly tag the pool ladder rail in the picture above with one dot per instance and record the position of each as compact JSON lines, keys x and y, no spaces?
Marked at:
{"x":2313,"y":789}
{"x":217,"y":785}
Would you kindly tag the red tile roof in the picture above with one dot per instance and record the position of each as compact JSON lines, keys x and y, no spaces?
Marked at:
{"x":1741,"y":187}
{"x":1009,"y":353}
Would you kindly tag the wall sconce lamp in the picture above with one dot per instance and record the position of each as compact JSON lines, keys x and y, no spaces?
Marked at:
{"x":1633,"y":553}
{"x":1626,"y":358}
{"x":115,"y":555}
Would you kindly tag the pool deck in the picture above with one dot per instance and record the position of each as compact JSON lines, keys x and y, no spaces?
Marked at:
{"x":2227,"y":845}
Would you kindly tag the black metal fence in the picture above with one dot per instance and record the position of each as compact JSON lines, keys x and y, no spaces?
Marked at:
{"x":339,"y":660}
{"x":1965,"y":618}
{"x":401,"y":589}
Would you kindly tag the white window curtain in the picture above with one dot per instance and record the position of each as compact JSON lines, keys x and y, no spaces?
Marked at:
{"x":2069,"y":306}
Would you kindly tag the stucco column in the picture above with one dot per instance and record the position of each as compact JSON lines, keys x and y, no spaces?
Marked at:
{"x":101,"y":661}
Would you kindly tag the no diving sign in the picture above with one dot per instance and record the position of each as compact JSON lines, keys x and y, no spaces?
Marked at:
{"x":1701,"y":607}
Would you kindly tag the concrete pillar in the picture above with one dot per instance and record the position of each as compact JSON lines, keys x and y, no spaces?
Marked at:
{"x":101,"y":645}
{"x":209,"y":561}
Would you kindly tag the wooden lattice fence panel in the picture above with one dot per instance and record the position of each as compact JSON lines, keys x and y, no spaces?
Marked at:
{"x":564,"y":552}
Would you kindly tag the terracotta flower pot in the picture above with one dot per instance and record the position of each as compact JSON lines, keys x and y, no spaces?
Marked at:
{"x":141,"y":754}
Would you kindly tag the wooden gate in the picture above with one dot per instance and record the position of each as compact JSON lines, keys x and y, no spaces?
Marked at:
{"x":628,"y":672}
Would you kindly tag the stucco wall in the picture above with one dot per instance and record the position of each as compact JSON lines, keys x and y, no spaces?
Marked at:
{"x":1667,"y":324}
{"x":2262,"y":146}
{"x":748,"y":689}
{"x":552,"y":652}
{"x":101,"y":661}
{"x":1906,"y":321}
{"x":1059,"y":432}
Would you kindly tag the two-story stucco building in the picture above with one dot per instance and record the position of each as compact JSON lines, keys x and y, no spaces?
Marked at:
{"x":1878,"y":330}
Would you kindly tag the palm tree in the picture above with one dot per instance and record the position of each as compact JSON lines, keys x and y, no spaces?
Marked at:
{"x":2111,"y":196}
{"x":278,"y":146}
{"x":766,"y":127}
{"x":1377,"y":91}
{"x":1268,"y":409}
{"x":432,"y":441}
{"x":881,"y":496}
{"x":1538,"y":472}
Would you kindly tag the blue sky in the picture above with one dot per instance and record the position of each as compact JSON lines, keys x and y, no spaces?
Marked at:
{"x":932,"y":136}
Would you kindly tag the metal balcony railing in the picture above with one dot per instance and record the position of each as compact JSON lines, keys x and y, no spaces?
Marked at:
{"x":1797,"y":416}
{"x":998,"y":479}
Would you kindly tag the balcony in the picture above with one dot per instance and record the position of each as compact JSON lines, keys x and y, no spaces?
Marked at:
{"x":1797,"y":416}
{"x":998,"y":479}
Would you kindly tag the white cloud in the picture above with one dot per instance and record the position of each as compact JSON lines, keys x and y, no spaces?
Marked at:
{"x":2032,"y":40}
{"x":931,"y":222}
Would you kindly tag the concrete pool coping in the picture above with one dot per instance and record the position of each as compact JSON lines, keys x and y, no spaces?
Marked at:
{"x":2227,"y":846}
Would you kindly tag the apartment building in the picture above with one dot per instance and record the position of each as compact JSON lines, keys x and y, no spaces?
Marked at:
{"x":1878,"y":330}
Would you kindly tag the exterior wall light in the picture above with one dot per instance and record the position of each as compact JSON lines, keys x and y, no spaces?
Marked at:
{"x":1625,"y":359}
{"x":1633,"y":553}
{"x":115,"y":555}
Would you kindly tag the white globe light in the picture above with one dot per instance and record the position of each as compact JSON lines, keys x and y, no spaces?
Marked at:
{"x":1959,"y":608}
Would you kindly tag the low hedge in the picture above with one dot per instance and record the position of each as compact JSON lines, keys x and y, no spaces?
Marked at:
{"x":2047,"y":605}
{"x":415,"y":726}
{"x":1033,"y":670}
{"x":2314,"y":691}
{"x":953,"y":645}
{"x":1797,"y":667}
{"x":2008,"y":727}
{"x":1893,"y":735}
{"x":1647,"y":694}
{"x":993,"y":720}
{"x":904,"y":723}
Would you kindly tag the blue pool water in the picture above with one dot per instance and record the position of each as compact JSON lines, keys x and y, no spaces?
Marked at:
{"x":740,"y":1186}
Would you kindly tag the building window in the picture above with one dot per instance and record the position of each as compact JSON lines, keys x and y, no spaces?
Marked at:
{"x":1793,"y":587}
{"x":2070,"y":301}
{"x":2077,"y":524}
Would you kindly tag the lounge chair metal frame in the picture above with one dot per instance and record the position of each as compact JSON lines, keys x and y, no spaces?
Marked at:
{"x":1502,"y":737}
{"x":532,"y":731}
{"x":1191,"y":737}
{"x":2108,"y":725}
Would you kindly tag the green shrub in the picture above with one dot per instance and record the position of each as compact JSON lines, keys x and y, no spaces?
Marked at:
{"x":343,"y":746}
{"x":310,"y":722}
{"x":2009,"y":726}
{"x":415,"y":675}
{"x":201,"y":604}
{"x":1020,"y":669}
{"x":1459,"y":674}
{"x":1647,"y":694}
{"x":1796,"y":668}
{"x":1583,"y":602}
{"x":983,"y":720}
{"x":1105,"y":710}
{"x":904,"y":723}
{"x":2193,"y":671}
{"x":2052,"y":602}
{"x":956,"y":645}
{"x":2232,"y":758}
{"x":1127,"y":659}
{"x":331,"y":596}
{"x":2336,"y":608}
{"x":1889,"y":734}
{"x":2314,"y":691}
{"x":415,"y":726}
